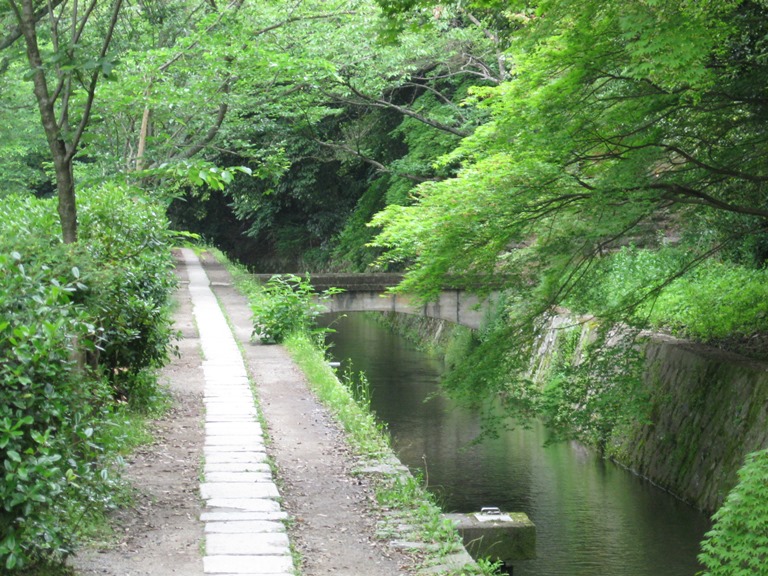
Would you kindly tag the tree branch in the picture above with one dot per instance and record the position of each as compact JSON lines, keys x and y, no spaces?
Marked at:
{"x":16,"y":31}
{"x":91,"y":90}
{"x":376,"y":164}
{"x":379,"y":103}
{"x":685,"y":195}
{"x":214,"y":129}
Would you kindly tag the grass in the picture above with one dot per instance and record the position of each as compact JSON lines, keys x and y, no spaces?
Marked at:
{"x":364,"y":432}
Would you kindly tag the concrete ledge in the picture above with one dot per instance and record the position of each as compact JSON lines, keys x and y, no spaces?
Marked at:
{"x":506,"y":537}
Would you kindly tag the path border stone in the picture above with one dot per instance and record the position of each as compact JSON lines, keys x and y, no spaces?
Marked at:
{"x":244,"y":523}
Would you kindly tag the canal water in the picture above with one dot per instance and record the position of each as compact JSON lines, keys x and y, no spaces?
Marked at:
{"x":592,"y":518}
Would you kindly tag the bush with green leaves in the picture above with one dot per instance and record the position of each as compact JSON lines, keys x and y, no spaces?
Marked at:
{"x":737,"y":545}
{"x":80,"y":325}
{"x":125,"y":235}
{"x":287,"y":304}
{"x":662,"y":289}
{"x":47,"y":411}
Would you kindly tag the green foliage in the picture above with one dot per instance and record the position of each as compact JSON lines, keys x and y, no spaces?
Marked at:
{"x":79,"y":325}
{"x":127,"y":235}
{"x":347,"y":113}
{"x":285,"y":305}
{"x":603,"y":134}
{"x":656,"y":288}
{"x":491,"y":368}
{"x":737,"y":545}
{"x":351,"y":243}
{"x":718,"y":300}
{"x":593,"y":389}
{"x":47,"y":411}
{"x":358,"y":386}
{"x":22,"y":148}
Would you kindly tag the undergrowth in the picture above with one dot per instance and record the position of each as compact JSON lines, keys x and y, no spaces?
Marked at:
{"x":659,"y":289}
{"x":737,"y":545}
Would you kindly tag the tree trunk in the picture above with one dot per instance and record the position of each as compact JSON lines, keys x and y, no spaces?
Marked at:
{"x":62,"y":158}
{"x":65,"y":184}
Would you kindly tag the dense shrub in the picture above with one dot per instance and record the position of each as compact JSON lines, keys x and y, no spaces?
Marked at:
{"x":711,"y":301}
{"x":285,"y":305}
{"x":45,"y":410}
{"x":80,"y":325}
{"x":737,"y":545}
{"x":126,"y":238}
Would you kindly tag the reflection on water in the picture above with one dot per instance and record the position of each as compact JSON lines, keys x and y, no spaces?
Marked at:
{"x":591,"y":517}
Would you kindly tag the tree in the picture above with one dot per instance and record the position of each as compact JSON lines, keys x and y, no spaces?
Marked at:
{"x":623,"y":124}
{"x":619,"y":116}
{"x":68,"y":52}
{"x":335,"y":107}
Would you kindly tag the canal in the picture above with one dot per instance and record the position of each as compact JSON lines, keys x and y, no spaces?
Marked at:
{"x":592,"y":518}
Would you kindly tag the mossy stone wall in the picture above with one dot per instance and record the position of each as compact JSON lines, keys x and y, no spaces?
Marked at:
{"x":709,"y":409}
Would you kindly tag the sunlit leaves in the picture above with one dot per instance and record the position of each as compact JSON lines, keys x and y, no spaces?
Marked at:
{"x":737,"y":545}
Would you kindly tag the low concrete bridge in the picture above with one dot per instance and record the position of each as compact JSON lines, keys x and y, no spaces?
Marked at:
{"x":368,"y":293}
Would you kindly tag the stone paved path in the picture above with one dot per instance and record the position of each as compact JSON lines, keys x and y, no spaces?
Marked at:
{"x":244,"y":530}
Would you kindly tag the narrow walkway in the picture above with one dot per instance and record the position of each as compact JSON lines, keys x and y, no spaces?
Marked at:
{"x":244,"y":532}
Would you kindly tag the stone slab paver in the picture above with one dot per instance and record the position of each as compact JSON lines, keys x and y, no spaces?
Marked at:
{"x":245,"y":504}
{"x":236,"y":467}
{"x":217,"y":454}
{"x":261,"y":490}
{"x":216,"y":515}
{"x":240,"y":543}
{"x":232,"y":428}
{"x":243,"y":527}
{"x":251,"y":565}
{"x":238,"y":476}
{"x":245,"y":534}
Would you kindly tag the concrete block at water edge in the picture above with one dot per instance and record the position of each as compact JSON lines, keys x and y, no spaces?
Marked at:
{"x":505,"y":537}
{"x":242,"y":565}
